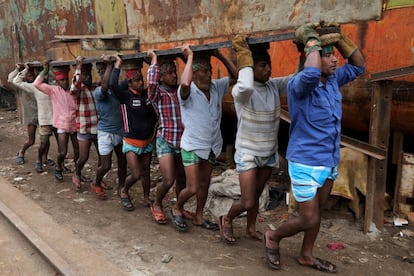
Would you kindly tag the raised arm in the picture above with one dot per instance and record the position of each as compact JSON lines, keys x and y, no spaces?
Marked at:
{"x":107,"y":75}
{"x":76,"y":85}
{"x":349,"y":50}
{"x":39,"y":81}
{"x":231,"y":68}
{"x":152,"y":75}
{"x":114,"y":80}
{"x":187,"y":75}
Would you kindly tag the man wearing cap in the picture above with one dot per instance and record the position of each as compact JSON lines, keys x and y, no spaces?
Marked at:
{"x":27,"y":108}
{"x":140,"y":120}
{"x":86,"y":118}
{"x":315,"y":107}
{"x":44,"y":112}
{"x":110,"y":131}
{"x":201,"y":108}
{"x":257,"y":104}
{"x":64,"y":112}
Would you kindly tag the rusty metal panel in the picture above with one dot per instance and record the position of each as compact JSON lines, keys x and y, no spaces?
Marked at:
{"x":156,"y":21}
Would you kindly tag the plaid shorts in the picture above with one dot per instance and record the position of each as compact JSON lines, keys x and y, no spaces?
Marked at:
{"x":164,"y":148}
{"x":306,"y":180}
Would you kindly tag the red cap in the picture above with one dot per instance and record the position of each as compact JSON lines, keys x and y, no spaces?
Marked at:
{"x":132,"y":73}
{"x":60,"y":75}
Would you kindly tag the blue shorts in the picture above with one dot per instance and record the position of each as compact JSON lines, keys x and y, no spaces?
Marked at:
{"x":86,"y":136}
{"x":190,"y":158}
{"x":107,"y":141}
{"x":164,"y":148}
{"x":307,"y":179}
{"x":245,"y":162}
{"x":137,"y":150}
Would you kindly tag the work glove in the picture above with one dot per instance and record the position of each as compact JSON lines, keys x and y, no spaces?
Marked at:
{"x":46,"y":67}
{"x":346,"y":46}
{"x":243,"y":53}
{"x":307,"y":35}
{"x":327,"y":33}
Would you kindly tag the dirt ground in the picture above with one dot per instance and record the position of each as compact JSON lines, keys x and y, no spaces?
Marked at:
{"x":139,"y":246}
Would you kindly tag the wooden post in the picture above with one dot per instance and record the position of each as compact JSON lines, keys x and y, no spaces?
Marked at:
{"x":379,"y":133}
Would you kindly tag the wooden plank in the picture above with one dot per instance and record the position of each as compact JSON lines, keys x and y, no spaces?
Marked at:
{"x":394,"y":73}
{"x":397,"y":146}
{"x":51,"y":256}
{"x":379,"y":132}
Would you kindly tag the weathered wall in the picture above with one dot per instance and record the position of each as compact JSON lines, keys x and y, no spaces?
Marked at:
{"x":162,"y":20}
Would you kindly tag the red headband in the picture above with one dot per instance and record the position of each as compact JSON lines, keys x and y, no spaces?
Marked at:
{"x":59,"y":75}
{"x":132,"y":73}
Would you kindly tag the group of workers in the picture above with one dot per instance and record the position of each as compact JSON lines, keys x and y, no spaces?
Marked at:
{"x":124,"y":117}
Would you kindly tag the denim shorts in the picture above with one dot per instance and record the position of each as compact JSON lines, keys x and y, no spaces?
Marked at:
{"x":190,"y":158}
{"x":137,"y":150}
{"x":245,"y":162}
{"x":164,"y":148}
{"x":107,"y":141}
{"x":306,"y":180}
{"x":86,"y":136}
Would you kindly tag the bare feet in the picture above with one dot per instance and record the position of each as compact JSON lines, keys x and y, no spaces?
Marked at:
{"x":255,"y":235}
{"x":226,"y":230}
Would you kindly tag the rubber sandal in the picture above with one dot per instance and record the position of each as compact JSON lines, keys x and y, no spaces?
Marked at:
{"x":49,"y":162}
{"x":19,"y":159}
{"x":76,"y":183}
{"x":179,"y":222}
{"x":85,"y":179}
{"x":321,"y":265}
{"x":38,"y":167}
{"x":272,"y":256}
{"x":226,"y":234}
{"x":58,"y":175}
{"x":127,"y":204}
{"x":208,"y":225}
{"x":66,"y":170}
{"x":257,"y":236}
{"x":158,"y":215}
{"x":99,"y":192}
{"x":106,"y":186}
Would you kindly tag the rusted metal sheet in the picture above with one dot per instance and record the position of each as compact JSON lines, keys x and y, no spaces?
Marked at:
{"x":160,"y":20}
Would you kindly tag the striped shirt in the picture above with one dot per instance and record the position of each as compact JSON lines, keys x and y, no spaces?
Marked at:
{"x":167,"y":106}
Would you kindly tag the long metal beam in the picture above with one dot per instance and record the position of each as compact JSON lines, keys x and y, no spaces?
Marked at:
{"x":394,"y":73}
{"x":204,"y":47}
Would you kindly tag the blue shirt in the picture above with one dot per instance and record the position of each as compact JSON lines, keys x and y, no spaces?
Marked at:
{"x":109,"y":112}
{"x":316,"y":111}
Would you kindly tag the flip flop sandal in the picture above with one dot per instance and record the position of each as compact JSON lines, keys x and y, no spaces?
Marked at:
{"x":19,"y":159}
{"x":106,"y":186}
{"x":85,"y":179}
{"x":58,"y":175}
{"x":272,"y":256}
{"x":208,"y":225}
{"x":179,"y":222}
{"x":38,"y":167}
{"x":257,"y":236}
{"x":99,"y":192}
{"x":127,"y":204}
{"x":49,"y":162}
{"x":158,"y":215}
{"x":321,"y":265}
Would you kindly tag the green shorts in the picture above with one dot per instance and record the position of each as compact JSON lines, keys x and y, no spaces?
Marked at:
{"x":190,"y":158}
